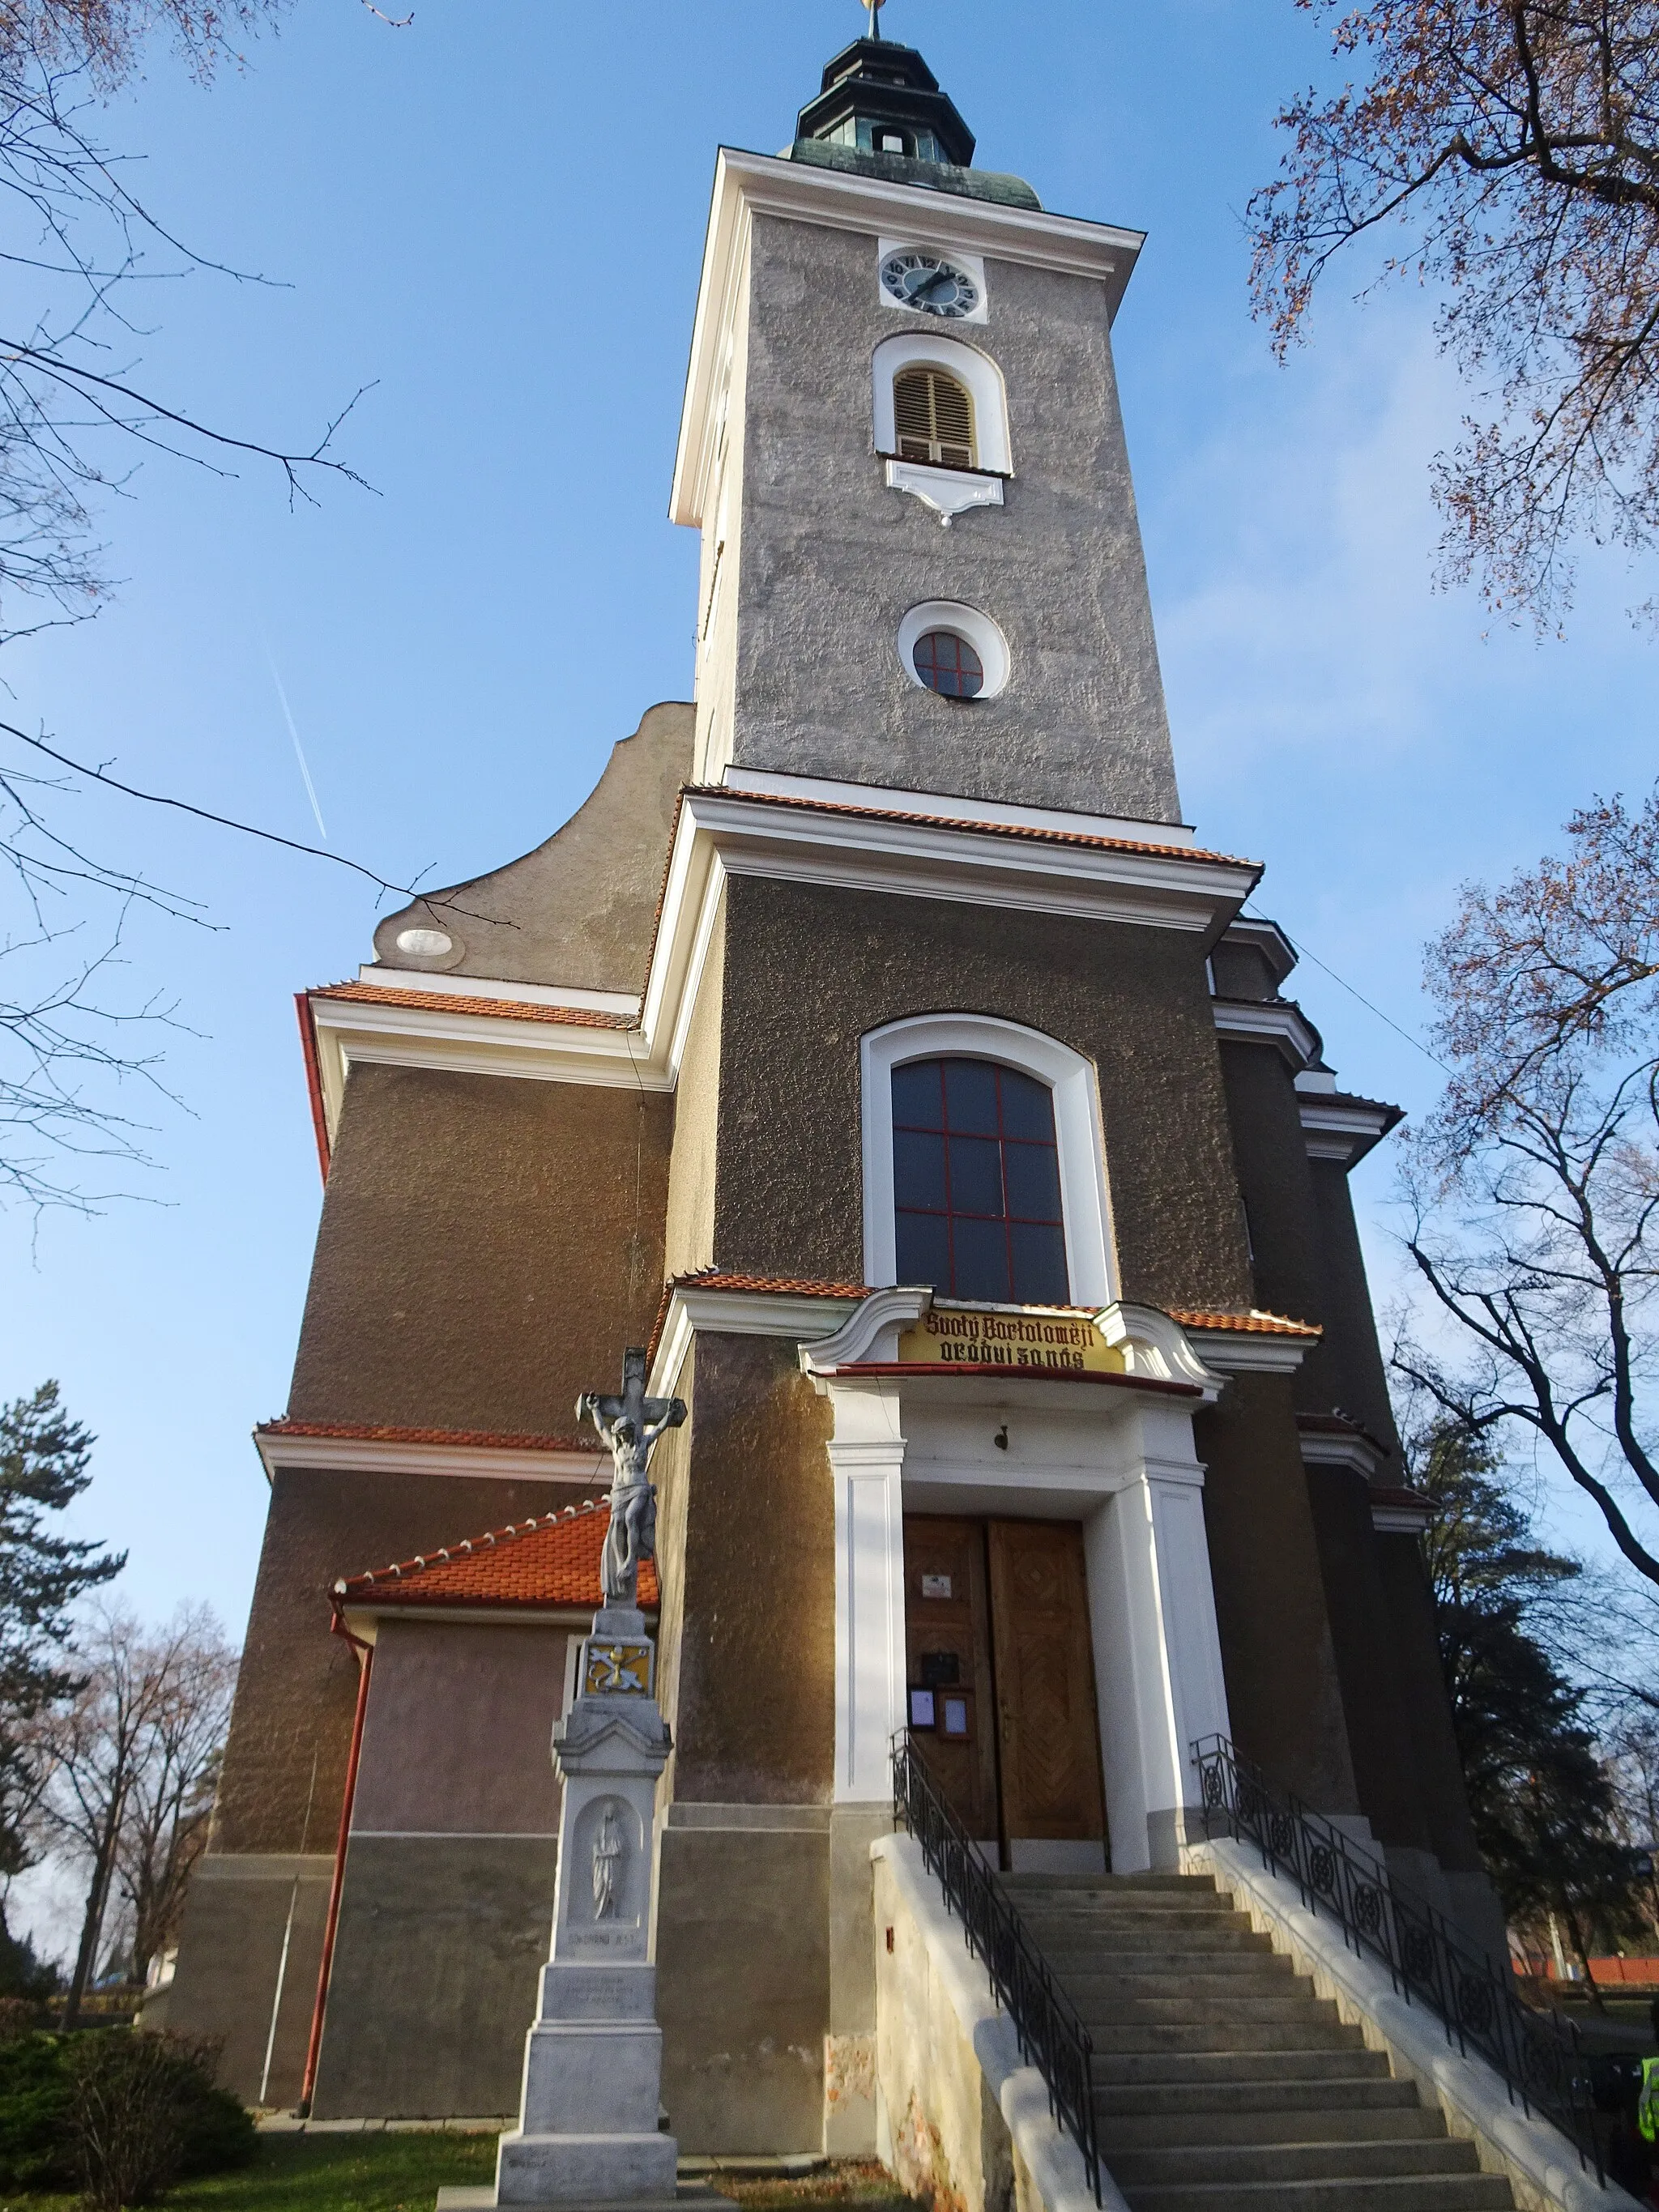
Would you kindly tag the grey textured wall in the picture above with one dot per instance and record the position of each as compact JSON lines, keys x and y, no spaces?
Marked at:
{"x":743,"y":1987}
{"x":808,"y":969}
{"x":434,"y":1983}
{"x":459,"y":1733}
{"x":831,"y":559}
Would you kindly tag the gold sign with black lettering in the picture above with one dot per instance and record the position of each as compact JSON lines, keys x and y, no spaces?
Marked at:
{"x":1032,"y":1338}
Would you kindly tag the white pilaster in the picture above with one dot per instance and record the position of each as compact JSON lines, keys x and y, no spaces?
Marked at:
{"x":1158,"y":1654}
{"x":866,"y":1458}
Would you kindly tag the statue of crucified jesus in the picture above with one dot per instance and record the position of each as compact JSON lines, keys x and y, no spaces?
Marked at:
{"x":630,"y":1426}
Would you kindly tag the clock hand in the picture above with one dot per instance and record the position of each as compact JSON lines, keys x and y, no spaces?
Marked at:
{"x":939,"y":277}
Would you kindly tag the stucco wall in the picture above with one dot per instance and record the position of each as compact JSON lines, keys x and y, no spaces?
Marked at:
{"x":742,"y":1986}
{"x":434,"y":1977}
{"x":487,"y":1243}
{"x":832,"y":559}
{"x":1373,"y":1693}
{"x":1353,"y":1357}
{"x":690,"y":1242}
{"x":298,"y":1686}
{"x":579,"y":908}
{"x":231,"y":1975}
{"x":1274,"y":1172}
{"x":808,"y":969}
{"x":1283,"y":1694}
{"x":459,"y":1732}
{"x":753,"y":1688}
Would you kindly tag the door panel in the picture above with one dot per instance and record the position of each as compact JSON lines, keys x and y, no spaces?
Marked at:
{"x":1047,"y":1733}
{"x":948,"y":1650}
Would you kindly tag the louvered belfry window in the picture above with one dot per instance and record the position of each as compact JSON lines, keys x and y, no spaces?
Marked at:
{"x":933,"y":418}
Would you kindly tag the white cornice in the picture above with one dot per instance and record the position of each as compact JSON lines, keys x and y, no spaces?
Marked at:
{"x":947,"y":807}
{"x":1391,"y":1520}
{"x":1269,"y":1021}
{"x":349,"y":1030}
{"x":747,"y":185}
{"x":1349,"y":1451}
{"x":882,"y":851}
{"x":728,"y":832}
{"x":488,"y":987}
{"x":383,"y":1456}
{"x":1242,"y":1351}
{"x":738,"y":1313}
{"x":1344,"y":1130}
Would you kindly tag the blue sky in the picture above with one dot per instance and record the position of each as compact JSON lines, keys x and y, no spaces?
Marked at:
{"x":494,"y":219}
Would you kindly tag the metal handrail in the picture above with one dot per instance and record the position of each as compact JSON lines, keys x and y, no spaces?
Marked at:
{"x":1051,"y":2033}
{"x":1537,"y":2055}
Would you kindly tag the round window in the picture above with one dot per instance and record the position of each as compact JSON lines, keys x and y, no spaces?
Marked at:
{"x":948,"y":664}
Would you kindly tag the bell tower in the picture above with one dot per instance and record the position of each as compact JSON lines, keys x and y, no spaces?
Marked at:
{"x":922,"y":566}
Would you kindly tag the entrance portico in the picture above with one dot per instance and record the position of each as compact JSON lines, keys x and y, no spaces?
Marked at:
{"x":1112,"y":1452}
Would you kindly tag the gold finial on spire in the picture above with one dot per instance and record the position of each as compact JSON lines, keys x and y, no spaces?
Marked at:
{"x":873,"y":8}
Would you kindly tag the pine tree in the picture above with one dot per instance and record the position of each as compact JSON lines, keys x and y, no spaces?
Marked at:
{"x":43,"y":1466}
{"x":1542,"y":1800}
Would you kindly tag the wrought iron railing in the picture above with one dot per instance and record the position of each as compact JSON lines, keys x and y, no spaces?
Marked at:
{"x":1051,"y":2033}
{"x":1537,"y":2054}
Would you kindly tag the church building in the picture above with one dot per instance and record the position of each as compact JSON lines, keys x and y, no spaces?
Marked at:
{"x":881,"y":1046}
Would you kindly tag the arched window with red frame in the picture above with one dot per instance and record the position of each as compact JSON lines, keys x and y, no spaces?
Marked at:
{"x":976,"y":1196}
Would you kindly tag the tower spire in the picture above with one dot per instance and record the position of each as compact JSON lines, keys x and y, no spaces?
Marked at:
{"x":873,"y":8}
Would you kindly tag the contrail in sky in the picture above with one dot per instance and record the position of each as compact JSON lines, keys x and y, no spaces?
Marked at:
{"x":299,"y":749}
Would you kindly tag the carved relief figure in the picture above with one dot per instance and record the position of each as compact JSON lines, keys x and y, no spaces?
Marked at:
{"x":610,"y":1848}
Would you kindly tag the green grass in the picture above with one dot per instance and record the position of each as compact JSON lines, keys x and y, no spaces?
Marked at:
{"x":324,"y":2173}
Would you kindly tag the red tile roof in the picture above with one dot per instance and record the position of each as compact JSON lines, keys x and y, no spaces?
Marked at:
{"x":712,"y":1279}
{"x":1019,"y":830}
{"x":1252,"y":1324}
{"x":456,"y":1002}
{"x":532,"y":1565}
{"x":367,"y":1432}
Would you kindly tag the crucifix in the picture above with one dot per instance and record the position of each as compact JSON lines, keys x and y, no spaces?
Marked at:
{"x":873,"y":8}
{"x":630,"y":1426}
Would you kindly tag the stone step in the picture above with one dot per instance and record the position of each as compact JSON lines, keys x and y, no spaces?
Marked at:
{"x":1191,"y":2070}
{"x":1232,"y":2163}
{"x":1085,"y":1987}
{"x":1112,"y":1885}
{"x":1337,"y":2121}
{"x":1126,"y":2039}
{"x":1166,"y":1943}
{"x":1237,"y":1966}
{"x":1107,"y":1923}
{"x":1450,"y":2192}
{"x":1180,"y":2101}
{"x":1248,"y":2011}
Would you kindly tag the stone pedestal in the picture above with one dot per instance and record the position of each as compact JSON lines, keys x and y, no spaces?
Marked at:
{"x":588,"y":2132}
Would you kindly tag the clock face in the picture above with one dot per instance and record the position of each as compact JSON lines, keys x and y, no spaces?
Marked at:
{"x":929,"y":283}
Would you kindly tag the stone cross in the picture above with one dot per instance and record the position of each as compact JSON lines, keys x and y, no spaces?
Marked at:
{"x":630,"y":1426}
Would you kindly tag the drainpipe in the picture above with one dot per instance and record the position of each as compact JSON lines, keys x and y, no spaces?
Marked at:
{"x":331,"y":1927}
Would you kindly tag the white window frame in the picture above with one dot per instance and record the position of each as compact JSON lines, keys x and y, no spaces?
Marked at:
{"x":968,"y":622}
{"x":1085,"y":1206}
{"x":976,"y":370}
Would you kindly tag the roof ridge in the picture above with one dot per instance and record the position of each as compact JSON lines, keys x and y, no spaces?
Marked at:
{"x":398,"y":1570}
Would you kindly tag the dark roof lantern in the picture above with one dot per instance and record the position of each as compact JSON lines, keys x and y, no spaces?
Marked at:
{"x":874,"y":81}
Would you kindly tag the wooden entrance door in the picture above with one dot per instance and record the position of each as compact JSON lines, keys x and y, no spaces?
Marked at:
{"x":998,"y":1642}
{"x":948,"y":1650}
{"x":1047,"y":1729}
